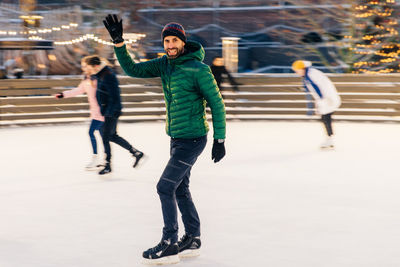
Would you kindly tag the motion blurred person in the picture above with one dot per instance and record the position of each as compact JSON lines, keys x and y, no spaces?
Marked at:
{"x":3,"y":73}
{"x":109,"y":99}
{"x":323,"y":91}
{"x":187,"y":84}
{"x":88,"y":86}
{"x":218,"y":69}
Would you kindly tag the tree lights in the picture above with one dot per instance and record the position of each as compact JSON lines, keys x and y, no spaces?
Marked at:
{"x":375,"y":40}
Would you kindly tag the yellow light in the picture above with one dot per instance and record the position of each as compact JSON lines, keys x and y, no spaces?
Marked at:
{"x":30,"y":17}
{"x":52,"y":57}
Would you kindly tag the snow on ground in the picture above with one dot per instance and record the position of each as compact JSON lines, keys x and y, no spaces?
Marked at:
{"x":274,"y":200}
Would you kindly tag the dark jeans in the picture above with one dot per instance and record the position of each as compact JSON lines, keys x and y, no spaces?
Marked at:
{"x":95,"y":125}
{"x":110,"y":135}
{"x":173,"y":187}
{"x":327,"y":120}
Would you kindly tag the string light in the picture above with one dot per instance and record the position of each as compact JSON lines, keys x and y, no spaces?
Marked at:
{"x":130,"y":37}
{"x":90,"y":36}
{"x":35,"y":38}
{"x":69,"y":26}
{"x":45,"y":30}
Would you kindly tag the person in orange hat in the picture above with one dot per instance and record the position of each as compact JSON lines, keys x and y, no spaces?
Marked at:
{"x":324,"y":93}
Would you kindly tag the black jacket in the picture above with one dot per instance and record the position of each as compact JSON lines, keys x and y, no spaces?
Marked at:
{"x":108,"y":92}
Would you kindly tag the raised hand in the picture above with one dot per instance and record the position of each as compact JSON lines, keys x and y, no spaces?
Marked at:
{"x":114,"y":27}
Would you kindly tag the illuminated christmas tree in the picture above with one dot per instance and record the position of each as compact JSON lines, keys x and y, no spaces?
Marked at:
{"x":375,"y":40}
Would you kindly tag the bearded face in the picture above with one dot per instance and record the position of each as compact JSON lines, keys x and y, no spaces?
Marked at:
{"x":173,"y":46}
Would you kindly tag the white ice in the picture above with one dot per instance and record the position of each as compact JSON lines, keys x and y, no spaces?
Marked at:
{"x":275,"y":200}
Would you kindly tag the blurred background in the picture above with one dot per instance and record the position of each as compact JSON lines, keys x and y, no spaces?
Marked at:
{"x":46,"y":37}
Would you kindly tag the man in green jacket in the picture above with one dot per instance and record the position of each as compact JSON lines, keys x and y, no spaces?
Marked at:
{"x":187,"y":84}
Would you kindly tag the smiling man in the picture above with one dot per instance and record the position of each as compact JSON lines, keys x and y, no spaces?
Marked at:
{"x":187,"y":85}
{"x":174,"y":39}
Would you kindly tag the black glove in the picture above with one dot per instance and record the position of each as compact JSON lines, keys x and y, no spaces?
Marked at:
{"x":60,"y":95}
{"x":218,"y":150}
{"x":114,"y":27}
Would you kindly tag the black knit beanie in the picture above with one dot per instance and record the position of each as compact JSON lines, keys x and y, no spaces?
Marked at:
{"x":174,"y":29}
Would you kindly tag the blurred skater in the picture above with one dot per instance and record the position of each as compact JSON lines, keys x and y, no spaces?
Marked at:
{"x":109,"y":99}
{"x":187,"y":85}
{"x":323,"y":91}
{"x":218,"y":69}
{"x":88,"y":86}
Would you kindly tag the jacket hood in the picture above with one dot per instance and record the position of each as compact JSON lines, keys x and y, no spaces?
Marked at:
{"x":102,"y":70}
{"x":193,"y":51}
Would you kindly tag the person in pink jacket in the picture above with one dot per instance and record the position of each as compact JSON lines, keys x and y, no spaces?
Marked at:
{"x":88,"y":86}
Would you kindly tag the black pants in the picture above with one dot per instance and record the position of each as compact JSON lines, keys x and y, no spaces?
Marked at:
{"x":327,"y":120}
{"x":110,"y":135}
{"x":173,"y":187}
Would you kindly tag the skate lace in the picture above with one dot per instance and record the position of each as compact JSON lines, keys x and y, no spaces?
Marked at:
{"x":158,"y":247}
{"x":183,"y":239}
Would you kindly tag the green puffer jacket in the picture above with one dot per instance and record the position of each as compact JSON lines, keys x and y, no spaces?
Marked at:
{"x":187,"y":84}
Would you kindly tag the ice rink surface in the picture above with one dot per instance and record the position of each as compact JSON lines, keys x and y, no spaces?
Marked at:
{"x":275,"y":200}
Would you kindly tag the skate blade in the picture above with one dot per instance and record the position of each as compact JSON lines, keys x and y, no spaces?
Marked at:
{"x":162,"y":261}
{"x":189,"y":253}
{"x":142,"y":160}
{"x":94,"y":168}
{"x":327,"y":148}
{"x":105,"y":174}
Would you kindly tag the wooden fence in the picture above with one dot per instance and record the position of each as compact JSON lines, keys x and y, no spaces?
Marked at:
{"x":364,"y":97}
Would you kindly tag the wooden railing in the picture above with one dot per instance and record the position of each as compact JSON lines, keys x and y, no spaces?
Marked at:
{"x":30,"y":101}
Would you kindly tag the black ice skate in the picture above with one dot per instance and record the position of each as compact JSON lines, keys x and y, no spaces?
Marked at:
{"x":106,"y":169}
{"x":163,"y":253}
{"x":189,"y":246}
{"x":139,"y":157}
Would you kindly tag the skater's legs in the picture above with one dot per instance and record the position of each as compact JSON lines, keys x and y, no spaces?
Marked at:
{"x":94,"y":125}
{"x":108,"y":129}
{"x":187,"y":208}
{"x":327,"y":121}
{"x":115,"y":138}
{"x":184,"y":153}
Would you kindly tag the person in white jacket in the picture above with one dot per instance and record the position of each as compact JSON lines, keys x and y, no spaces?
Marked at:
{"x":88,"y":86}
{"x":323,"y":91}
